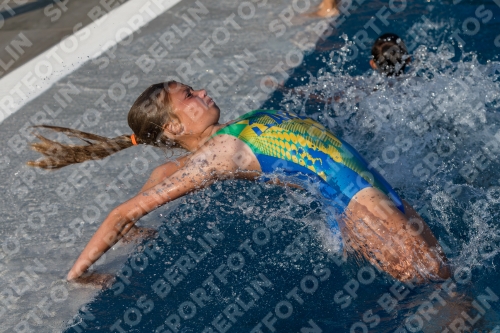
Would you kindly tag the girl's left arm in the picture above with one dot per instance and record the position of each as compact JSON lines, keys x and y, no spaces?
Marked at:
{"x":215,"y":161}
{"x":164,"y":171}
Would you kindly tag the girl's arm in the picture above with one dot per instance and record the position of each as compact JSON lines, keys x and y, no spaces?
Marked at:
{"x":164,"y":171}
{"x":214,"y":161}
{"x":158,"y":175}
{"x":122,"y":218}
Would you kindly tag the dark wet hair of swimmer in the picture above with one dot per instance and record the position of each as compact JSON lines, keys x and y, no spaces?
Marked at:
{"x":390,"y":55}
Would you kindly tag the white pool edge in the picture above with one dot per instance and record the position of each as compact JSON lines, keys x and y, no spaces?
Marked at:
{"x":32,"y":79}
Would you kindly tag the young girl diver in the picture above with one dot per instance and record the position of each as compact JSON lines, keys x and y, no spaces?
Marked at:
{"x":375,"y":221}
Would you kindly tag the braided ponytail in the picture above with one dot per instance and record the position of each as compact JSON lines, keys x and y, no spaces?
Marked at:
{"x":147,"y":118}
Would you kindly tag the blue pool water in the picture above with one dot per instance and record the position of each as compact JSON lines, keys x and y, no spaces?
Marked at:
{"x":262,"y":255}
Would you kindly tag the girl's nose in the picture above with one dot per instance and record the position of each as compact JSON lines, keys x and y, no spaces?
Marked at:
{"x":201,"y":93}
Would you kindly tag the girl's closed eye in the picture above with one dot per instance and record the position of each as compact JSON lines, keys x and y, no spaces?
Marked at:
{"x":190,"y":92}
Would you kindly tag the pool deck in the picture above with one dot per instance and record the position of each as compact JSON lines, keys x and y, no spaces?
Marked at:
{"x":211,"y":44}
{"x":44,"y":27}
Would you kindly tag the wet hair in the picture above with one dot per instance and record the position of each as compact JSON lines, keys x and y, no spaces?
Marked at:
{"x":390,"y":54}
{"x":147,"y":118}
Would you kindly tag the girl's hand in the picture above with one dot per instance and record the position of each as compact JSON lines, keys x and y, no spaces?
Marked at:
{"x":96,"y":279}
{"x":136,"y":233}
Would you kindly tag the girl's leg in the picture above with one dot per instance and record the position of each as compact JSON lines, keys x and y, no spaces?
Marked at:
{"x":403,"y":246}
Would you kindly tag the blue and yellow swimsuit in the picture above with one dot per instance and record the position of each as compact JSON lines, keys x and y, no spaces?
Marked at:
{"x":301,"y":147}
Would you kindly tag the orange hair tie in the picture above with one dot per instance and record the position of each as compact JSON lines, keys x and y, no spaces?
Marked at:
{"x":132,"y":137}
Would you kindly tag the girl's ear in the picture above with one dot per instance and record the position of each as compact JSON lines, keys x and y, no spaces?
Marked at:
{"x":174,"y":127}
{"x":373,"y":64}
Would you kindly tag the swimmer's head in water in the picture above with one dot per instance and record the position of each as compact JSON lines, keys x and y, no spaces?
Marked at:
{"x":164,"y":114}
{"x":390,"y":55}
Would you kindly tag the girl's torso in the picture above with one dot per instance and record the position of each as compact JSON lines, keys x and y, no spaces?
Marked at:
{"x":299,"y":146}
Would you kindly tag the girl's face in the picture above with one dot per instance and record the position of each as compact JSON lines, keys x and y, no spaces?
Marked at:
{"x":195,"y":110}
